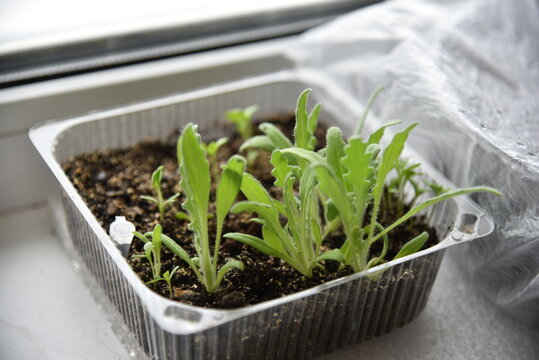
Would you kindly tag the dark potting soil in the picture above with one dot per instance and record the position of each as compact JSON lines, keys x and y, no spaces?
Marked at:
{"x":111,"y":182}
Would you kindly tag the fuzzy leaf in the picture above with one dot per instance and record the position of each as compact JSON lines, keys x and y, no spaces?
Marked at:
{"x":140,"y":236}
{"x":156,"y":241}
{"x":181,"y":253}
{"x":213,"y":146}
{"x":356,"y":163}
{"x":309,"y":156}
{"x":227,"y":267}
{"x":330,"y":211}
{"x":195,"y":182}
{"x":302,"y":133}
{"x":279,"y":140}
{"x":290,"y":203}
{"x":335,"y":150}
{"x":262,"y":142}
{"x":228,"y":188}
{"x":335,"y":255}
{"x":335,"y":191}
{"x":413,"y":245}
{"x":389,"y":157}
{"x":254,"y":191}
{"x":149,"y":198}
{"x":316,"y":231}
{"x":306,"y":187}
{"x":263,"y":210}
{"x":313,"y":118}
{"x":171,"y":199}
{"x":157,"y":176}
{"x":280,"y":168}
{"x":195,"y":178}
{"x":253,"y":241}
{"x":257,"y":220}
{"x":272,"y":240}
{"x":242,"y":119}
{"x":180,"y":215}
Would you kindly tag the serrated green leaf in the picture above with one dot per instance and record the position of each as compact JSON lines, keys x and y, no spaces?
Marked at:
{"x":356,"y":164}
{"x":290,"y":203}
{"x":262,"y":142}
{"x":195,"y":178}
{"x":280,"y":168}
{"x":195,"y":182}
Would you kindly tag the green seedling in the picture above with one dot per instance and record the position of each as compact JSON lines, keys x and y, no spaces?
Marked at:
{"x":211,"y":150}
{"x":353,"y":176}
{"x":299,"y":241}
{"x":363,"y":118}
{"x":273,"y":138}
{"x":242,"y":118}
{"x":157,"y":177}
{"x":196,"y":184}
{"x":152,"y":250}
{"x":167,"y":276}
{"x":405,"y":174}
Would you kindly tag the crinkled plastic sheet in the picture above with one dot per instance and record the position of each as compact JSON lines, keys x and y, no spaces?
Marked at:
{"x":468,"y":71}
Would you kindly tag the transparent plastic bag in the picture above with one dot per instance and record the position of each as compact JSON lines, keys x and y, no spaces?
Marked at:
{"x":468,"y":71}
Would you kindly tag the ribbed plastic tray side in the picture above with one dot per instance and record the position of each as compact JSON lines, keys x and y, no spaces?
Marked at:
{"x":350,"y":313}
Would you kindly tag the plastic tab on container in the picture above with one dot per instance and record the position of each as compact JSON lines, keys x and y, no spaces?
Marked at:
{"x":121,"y":232}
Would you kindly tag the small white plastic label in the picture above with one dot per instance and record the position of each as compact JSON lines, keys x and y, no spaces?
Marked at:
{"x":121,"y":230}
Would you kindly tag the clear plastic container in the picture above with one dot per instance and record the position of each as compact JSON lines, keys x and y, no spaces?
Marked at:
{"x":298,"y":326}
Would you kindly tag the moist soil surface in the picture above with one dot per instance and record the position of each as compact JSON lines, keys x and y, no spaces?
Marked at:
{"x":111,"y":182}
